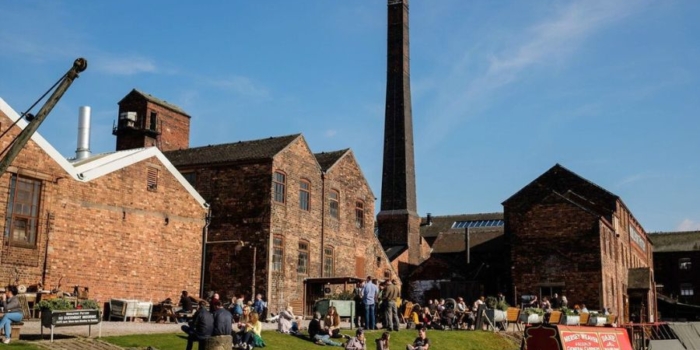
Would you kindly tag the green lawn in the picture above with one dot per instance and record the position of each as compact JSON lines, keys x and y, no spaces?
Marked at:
{"x":468,"y":340}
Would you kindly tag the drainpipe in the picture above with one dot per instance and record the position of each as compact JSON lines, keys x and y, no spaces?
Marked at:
{"x":323,"y":218}
{"x":205,"y":238}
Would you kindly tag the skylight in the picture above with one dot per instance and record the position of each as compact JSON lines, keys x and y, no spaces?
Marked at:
{"x":478,"y":223}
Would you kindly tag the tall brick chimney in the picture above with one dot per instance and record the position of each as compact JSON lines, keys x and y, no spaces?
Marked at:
{"x":398,"y":220}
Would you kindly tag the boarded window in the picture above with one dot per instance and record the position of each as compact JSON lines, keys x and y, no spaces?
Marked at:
{"x":152,"y":181}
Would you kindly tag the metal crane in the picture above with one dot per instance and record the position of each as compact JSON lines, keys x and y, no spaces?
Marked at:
{"x":21,"y":140}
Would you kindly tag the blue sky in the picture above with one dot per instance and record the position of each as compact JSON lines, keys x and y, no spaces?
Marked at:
{"x":502,"y":90}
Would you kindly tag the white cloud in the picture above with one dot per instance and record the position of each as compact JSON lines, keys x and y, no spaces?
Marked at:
{"x":471,"y":83}
{"x":688,"y":225}
{"x":242,"y":86}
{"x":129,"y":65}
{"x":330,"y":133}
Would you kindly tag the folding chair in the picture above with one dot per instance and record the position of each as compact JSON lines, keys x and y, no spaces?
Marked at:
{"x":405,"y":316}
{"x":513,"y":317}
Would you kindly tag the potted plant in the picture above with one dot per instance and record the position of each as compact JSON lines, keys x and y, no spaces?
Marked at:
{"x":50,"y":306}
{"x":496,"y":311}
{"x":532,"y":315}
{"x":569,"y":317}
{"x":596,"y":319}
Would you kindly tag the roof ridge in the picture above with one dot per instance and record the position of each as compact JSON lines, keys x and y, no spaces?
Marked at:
{"x":271,"y":138}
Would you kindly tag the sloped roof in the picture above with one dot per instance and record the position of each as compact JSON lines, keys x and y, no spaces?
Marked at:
{"x":231,"y":152}
{"x":455,"y":242}
{"x":444,"y":223}
{"x":100,"y":164}
{"x":675,"y":241}
{"x":157,"y":101}
{"x":328,"y":159}
{"x":392,"y":252}
{"x":563,"y":180}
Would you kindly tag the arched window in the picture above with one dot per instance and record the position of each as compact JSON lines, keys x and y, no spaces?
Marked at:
{"x":303,"y":261}
{"x":279,"y":181}
{"x":334,"y":204}
{"x":328,"y":262}
{"x":360,"y":214}
{"x":304,"y":195}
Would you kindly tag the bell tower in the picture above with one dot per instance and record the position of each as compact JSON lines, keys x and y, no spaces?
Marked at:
{"x":398,"y":220}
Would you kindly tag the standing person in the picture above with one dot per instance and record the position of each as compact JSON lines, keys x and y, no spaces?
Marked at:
{"x":201,"y":327}
{"x":13,"y":312}
{"x":383,"y":342}
{"x":421,"y":343}
{"x":222,"y":319}
{"x":369,"y":295}
{"x":555,"y":302}
{"x":359,"y":305}
{"x":357,"y":342}
{"x":564,"y":302}
{"x":391,"y":315}
{"x":259,"y":305}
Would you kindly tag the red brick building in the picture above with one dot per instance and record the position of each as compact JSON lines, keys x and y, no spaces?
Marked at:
{"x":124,"y":224}
{"x":567,"y":235}
{"x":282,"y":215}
{"x":677,"y":271}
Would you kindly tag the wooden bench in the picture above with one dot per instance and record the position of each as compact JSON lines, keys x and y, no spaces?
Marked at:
{"x":513,"y":317}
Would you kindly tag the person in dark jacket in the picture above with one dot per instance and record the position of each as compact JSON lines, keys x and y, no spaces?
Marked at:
{"x":201,"y":327}
{"x":222,"y":319}
{"x":13,"y":311}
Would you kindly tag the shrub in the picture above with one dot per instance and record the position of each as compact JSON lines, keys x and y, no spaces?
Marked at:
{"x":533,"y":311}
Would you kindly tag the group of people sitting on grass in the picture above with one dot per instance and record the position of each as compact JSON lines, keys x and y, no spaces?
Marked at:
{"x":220,"y":321}
{"x":441,"y":315}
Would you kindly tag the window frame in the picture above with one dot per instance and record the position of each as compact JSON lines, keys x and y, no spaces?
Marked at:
{"x":305,"y":203}
{"x":279,"y":188}
{"x":277,"y":254}
{"x":686,"y":290}
{"x":31,"y":220}
{"x":334,"y":211}
{"x":303,"y":257}
{"x":359,"y":214}
{"x":328,"y":261}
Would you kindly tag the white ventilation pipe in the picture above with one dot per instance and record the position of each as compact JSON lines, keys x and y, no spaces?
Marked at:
{"x":83,"y":150}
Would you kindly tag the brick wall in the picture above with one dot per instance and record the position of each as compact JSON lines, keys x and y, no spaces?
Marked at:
{"x":109,"y":234}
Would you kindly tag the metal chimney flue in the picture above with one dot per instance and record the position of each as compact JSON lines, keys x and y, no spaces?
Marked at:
{"x":83,"y":150}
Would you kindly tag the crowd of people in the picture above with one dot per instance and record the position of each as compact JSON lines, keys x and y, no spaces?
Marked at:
{"x":237,"y":319}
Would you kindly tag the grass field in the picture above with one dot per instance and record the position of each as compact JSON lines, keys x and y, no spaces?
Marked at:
{"x":276,"y":341}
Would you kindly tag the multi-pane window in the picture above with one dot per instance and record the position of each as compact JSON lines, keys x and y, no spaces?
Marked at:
{"x":22,"y":211}
{"x":328,"y":259}
{"x":334,"y":204}
{"x":687,"y":290}
{"x":303,"y":263}
{"x":304,"y":195}
{"x":277,"y":253}
{"x":280,"y":182}
{"x":359,"y":214}
{"x":684,"y":263}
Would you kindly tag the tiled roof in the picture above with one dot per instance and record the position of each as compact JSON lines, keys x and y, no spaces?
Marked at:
{"x":444,"y":223}
{"x":231,"y":152}
{"x":392,"y":252}
{"x":158,"y":101}
{"x":327,"y":159}
{"x":675,"y":241}
{"x":454,"y":242}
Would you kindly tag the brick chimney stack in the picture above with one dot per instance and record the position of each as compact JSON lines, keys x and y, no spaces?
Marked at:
{"x":398,"y":220}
